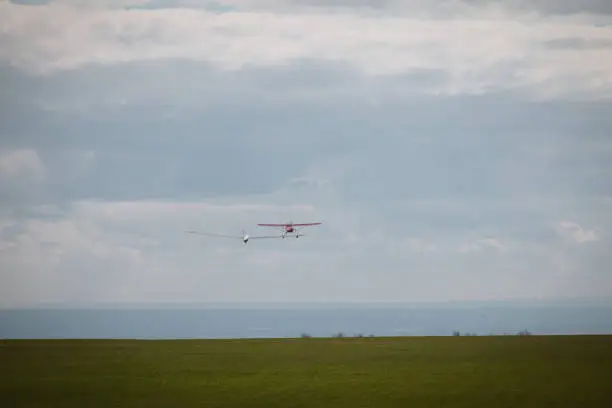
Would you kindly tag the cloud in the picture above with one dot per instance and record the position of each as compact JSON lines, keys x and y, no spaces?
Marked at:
{"x":130,"y":252}
{"x":242,"y":136}
{"x":20,"y":164}
{"x":22,"y":174}
{"x":51,"y":260}
{"x":576,"y":232}
{"x":137,"y":251}
{"x":482,"y":244}
{"x":579,"y":43}
{"x":479,"y":51}
{"x":563,"y":7}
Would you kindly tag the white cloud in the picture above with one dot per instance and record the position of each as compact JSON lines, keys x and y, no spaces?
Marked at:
{"x":134,"y":251}
{"x":138,"y":251}
{"x":21,"y":165}
{"x":51,"y":260}
{"x":576,"y":232}
{"x":22,"y":174}
{"x":487,"y":50}
{"x":481,"y":245}
{"x":421,"y":245}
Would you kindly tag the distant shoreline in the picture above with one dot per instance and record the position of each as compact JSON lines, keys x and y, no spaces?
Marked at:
{"x":516,"y":302}
{"x":275,"y":321}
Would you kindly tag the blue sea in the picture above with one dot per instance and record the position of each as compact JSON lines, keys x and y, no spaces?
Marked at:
{"x":278,"y":321}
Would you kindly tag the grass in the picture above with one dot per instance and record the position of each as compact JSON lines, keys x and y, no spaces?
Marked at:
{"x":503,"y":371}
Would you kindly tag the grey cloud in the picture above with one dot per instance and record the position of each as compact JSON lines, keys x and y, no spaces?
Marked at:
{"x":579,"y":43}
{"x":544,"y":6}
{"x":549,"y":6}
{"x":380,"y":160}
{"x":31,"y":2}
{"x":484,"y":145}
{"x":246,"y":133}
{"x":218,"y":6}
{"x":560,"y":7}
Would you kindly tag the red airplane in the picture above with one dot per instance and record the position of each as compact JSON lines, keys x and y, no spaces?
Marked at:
{"x":290,"y":227}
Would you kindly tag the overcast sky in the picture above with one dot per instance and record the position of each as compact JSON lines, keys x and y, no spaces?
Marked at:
{"x":452,"y":149}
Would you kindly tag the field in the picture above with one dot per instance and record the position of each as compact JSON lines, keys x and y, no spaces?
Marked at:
{"x":503,"y":371}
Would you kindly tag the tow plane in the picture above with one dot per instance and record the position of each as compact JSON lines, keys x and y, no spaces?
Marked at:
{"x":290,"y":228}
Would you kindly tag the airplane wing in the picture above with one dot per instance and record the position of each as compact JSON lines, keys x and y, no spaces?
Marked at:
{"x":293,"y":225}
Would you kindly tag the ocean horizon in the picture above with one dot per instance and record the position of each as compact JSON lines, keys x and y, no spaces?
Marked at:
{"x":286,"y":320}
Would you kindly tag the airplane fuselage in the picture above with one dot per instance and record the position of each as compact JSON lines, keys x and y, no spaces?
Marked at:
{"x":290,"y":228}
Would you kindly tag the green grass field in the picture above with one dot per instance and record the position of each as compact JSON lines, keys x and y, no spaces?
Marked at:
{"x":504,"y":371}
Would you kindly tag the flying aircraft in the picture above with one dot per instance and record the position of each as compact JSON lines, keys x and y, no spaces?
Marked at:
{"x":290,"y":227}
{"x":244,"y":237}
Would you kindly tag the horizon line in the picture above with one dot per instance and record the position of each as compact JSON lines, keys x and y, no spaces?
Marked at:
{"x":525,"y":301}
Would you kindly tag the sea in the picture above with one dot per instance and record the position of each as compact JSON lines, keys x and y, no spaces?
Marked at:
{"x":231,"y":321}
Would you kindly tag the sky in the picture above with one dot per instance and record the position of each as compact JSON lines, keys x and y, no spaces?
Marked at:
{"x":453,"y":150}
